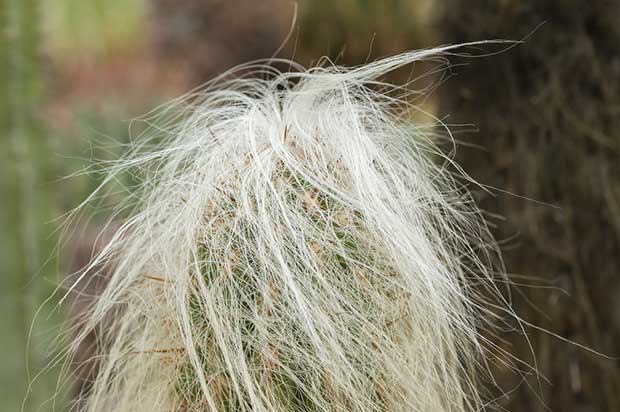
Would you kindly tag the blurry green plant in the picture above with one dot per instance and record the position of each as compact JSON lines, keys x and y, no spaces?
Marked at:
{"x":99,"y":138}
{"x":93,"y":27}
{"x":27,"y":264}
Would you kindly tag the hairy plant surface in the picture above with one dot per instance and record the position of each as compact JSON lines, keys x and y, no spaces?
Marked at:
{"x":296,"y":246}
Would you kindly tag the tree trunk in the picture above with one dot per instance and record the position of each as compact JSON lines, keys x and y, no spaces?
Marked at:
{"x":548,"y":119}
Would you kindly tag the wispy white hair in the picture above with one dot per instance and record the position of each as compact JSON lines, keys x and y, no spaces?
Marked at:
{"x":299,"y":245}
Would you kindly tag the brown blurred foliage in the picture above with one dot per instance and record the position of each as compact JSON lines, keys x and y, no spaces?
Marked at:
{"x":548,"y":119}
{"x":209,"y":36}
{"x":214,"y":35}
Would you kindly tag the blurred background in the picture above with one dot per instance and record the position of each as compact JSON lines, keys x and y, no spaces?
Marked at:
{"x":543,"y":129}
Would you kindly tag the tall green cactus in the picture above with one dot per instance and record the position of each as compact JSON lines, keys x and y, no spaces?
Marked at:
{"x":25,"y":242}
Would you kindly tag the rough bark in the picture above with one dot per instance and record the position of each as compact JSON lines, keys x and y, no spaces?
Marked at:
{"x":547,"y":114}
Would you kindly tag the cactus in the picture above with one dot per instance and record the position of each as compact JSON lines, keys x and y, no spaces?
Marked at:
{"x":26,"y":244}
{"x":296,"y":246}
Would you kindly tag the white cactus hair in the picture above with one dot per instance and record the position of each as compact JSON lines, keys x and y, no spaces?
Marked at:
{"x":298,"y":245}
